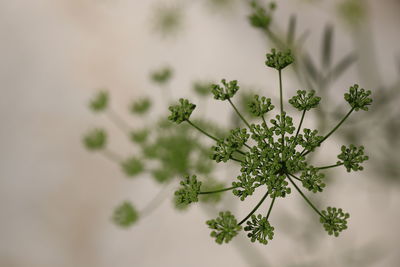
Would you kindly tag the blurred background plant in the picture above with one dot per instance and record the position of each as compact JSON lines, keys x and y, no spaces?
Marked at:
{"x":58,"y":206}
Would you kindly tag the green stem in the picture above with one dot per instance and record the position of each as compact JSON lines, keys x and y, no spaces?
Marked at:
{"x":217,"y":191}
{"x":304,"y":196}
{"x":255,"y":208}
{"x":281,"y":104}
{"x":235,"y":159}
{"x":111,"y":155}
{"x":118,"y":121}
{"x":298,"y":130}
{"x":333,"y":130}
{"x":204,"y":132}
{"x":157,"y":200}
{"x":300,"y":124}
{"x":263,"y":118}
{"x":237,"y":112}
{"x":270,"y":207}
{"x":330,"y":166}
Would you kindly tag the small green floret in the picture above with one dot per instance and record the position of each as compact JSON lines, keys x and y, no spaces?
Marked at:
{"x":202,"y":88}
{"x":334,"y":220}
{"x":358,"y":98}
{"x":132,"y":166}
{"x":312,"y":179}
{"x":189,"y":191}
{"x":310,"y":139}
{"x":141,"y":106}
{"x":279,"y":60}
{"x":304,"y":101}
{"x":351,"y":157}
{"x":260,"y":17}
{"x":260,"y":229}
{"x":181,"y":112}
{"x":259,"y":106}
{"x":226,"y":91}
{"x":224,"y":227}
{"x":95,"y":140}
{"x":245,"y":186}
{"x":139,"y":136}
{"x":125,"y":215}
{"x":99,"y":102}
{"x":161,"y":76}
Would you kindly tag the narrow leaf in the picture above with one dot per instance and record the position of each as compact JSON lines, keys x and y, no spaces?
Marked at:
{"x":343,"y":65}
{"x":291,"y":29}
{"x":326,"y":48}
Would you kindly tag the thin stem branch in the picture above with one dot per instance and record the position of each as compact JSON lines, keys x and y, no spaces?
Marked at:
{"x":333,"y":130}
{"x":238,"y":113}
{"x":217,"y":191}
{"x":304,"y":196}
{"x":270,"y":207}
{"x":255,"y":208}
{"x":330,"y":166}
{"x":204,"y":132}
{"x":118,"y":121}
{"x":111,"y":155}
{"x":300,"y":124}
{"x":157,"y":200}
{"x":281,"y":104}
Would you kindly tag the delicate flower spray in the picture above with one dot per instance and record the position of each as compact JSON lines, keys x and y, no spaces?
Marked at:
{"x":272,"y":155}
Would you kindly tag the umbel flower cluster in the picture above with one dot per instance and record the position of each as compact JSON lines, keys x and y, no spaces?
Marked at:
{"x":272,"y":155}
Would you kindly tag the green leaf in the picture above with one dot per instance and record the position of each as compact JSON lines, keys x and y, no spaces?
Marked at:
{"x":326,"y":49}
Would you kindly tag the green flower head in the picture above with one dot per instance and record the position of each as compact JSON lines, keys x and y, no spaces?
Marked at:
{"x":99,"y":102}
{"x":358,"y":98}
{"x":279,"y":60}
{"x":181,"y":112}
{"x":95,"y":140}
{"x":304,"y":101}
{"x":226,"y":91}
{"x":334,"y":220}
{"x":260,"y":229}
{"x":125,"y":215}
{"x":188,"y":193}
{"x":224,"y":227}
